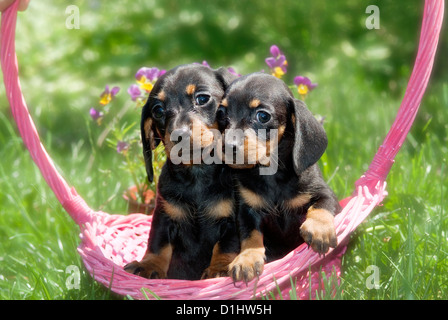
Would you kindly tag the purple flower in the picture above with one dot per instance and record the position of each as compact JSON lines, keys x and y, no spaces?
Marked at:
{"x":96,"y":115}
{"x":146,"y":77}
{"x":108,"y":95}
{"x":150,"y":74}
{"x":277,"y":63}
{"x":304,"y":85}
{"x":275,"y":51}
{"x":122,"y":146}
{"x":232,"y":71}
{"x":134,"y":92}
{"x":204,"y":63}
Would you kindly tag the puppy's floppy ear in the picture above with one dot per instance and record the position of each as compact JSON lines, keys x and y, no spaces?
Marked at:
{"x":150,"y":140}
{"x":225,"y":77}
{"x":310,"y":139}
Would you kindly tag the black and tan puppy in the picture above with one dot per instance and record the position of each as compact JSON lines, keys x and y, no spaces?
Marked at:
{"x":193,"y":231}
{"x":291,"y":203}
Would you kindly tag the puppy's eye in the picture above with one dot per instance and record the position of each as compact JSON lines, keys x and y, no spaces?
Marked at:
{"x":263,"y":116}
{"x":202,"y":99}
{"x":158,"y":112}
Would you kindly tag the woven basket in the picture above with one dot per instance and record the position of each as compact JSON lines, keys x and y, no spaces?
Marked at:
{"x":108,"y":242}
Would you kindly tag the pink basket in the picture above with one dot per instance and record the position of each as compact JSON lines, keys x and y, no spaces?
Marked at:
{"x":108,"y":242}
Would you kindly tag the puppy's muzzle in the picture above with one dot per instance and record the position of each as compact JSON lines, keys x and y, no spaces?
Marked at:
{"x":180,"y":134}
{"x":233,"y":148}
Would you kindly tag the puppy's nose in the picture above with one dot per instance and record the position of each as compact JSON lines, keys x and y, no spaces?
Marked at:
{"x":180,"y":134}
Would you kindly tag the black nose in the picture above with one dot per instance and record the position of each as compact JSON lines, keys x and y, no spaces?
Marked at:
{"x":180,"y":134}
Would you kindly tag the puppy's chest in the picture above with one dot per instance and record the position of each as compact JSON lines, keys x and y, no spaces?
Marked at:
{"x":191,"y":204}
{"x":198,"y":195}
{"x":269,"y":196}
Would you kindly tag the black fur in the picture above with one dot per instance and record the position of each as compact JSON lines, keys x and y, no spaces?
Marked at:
{"x":300,"y":146}
{"x":195,"y":189}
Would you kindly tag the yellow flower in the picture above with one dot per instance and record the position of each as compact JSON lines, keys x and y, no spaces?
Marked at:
{"x":303,"y":89}
{"x":108,"y":95}
{"x":304,"y":85}
{"x":145,"y":84}
{"x":278,"y":72}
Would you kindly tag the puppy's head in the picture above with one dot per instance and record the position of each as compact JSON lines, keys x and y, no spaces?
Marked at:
{"x":265,"y":110}
{"x":182,"y":107}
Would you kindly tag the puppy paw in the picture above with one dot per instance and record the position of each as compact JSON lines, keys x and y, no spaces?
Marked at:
{"x":215,"y":272}
{"x":247,"y":265}
{"x":147,"y":268}
{"x":318,"y":230}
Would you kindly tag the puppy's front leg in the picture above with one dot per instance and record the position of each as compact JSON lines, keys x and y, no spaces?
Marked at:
{"x":224,"y":251}
{"x":250,"y":262}
{"x":318,"y":230}
{"x":156,"y":261}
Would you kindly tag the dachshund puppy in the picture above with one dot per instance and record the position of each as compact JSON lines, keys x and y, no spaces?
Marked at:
{"x":278,"y":210}
{"x":193,"y":231}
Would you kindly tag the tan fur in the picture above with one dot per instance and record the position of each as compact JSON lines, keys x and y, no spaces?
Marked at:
{"x":221,"y":209}
{"x":202,"y":137}
{"x":202,"y":133}
{"x":153,"y":263}
{"x":225,"y":103}
{"x":219,"y":263}
{"x":257,"y":150}
{"x":174,"y":211}
{"x":191,"y":88}
{"x":318,"y":230}
{"x":168,"y":144}
{"x":149,"y":134}
{"x":161,"y":96}
{"x":298,"y":201}
{"x":254,"y":103}
{"x":251,"y":198}
{"x":250,"y":262}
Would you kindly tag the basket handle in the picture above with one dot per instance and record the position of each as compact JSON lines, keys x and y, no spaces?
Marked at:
{"x":429,"y":37}
{"x":75,"y":206}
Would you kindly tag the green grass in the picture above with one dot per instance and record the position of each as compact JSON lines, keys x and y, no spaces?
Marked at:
{"x":405,"y":239}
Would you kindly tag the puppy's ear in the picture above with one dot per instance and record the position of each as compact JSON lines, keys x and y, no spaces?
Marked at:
{"x":225,"y":77}
{"x":310,"y":140}
{"x":150,"y":140}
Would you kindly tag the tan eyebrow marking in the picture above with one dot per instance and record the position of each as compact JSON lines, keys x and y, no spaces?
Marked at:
{"x":190,"y":89}
{"x":161,"y":96}
{"x":254,"y":103}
